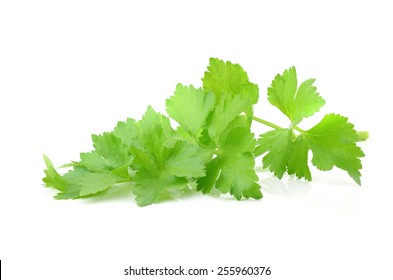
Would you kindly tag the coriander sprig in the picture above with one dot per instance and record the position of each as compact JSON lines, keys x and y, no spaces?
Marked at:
{"x":213,"y":146}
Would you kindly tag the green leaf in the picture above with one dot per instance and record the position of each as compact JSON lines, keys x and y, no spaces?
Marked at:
{"x":53,"y":178}
{"x":333,"y":143}
{"x":213,"y":168}
{"x":224,"y":113}
{"x":127,"y":131}
{"x":239,"y":140}
{"x":237,"y":165}
{"x":156,"y":134}
{"x":164,"y":159}
{"x":298,"y":159}
{"x":78,"y":182}
{"x":233,"y":169}
{"x":226,"y":78}
{"x":238,"y":176}
{"x":73,"y":183}
{"x":151,"y":188}
{"x":277,"y":143}
{"x":185,"y":160}
{"x":110,"y":153}
{"x":190,"y":107}
{"x":307,"y":101}
{"x":93,"y":183}
{"x":295,"y":103}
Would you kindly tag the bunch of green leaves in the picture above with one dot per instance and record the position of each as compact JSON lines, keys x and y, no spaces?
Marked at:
{"x":213,"y":146}
{"x":332,"y":141}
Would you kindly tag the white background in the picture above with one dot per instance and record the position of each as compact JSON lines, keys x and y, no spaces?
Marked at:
{"x":72,"y":68}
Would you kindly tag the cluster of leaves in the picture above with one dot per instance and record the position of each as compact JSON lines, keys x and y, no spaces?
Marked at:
{"x":213,"y":146}
{"x":332,"y":141}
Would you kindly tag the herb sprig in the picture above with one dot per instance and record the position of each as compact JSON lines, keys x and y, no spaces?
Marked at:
{"x":213,"y":146}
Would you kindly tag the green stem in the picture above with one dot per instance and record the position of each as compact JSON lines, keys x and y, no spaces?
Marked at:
{"x":266,"y":123}
{"x":298,"y":129}
{"x":363,"y":135}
